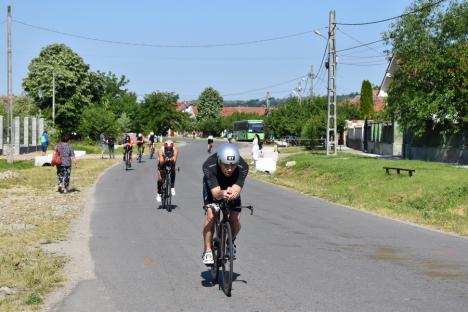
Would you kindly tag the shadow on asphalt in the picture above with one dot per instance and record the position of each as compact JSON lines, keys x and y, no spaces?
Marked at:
{"x":206,"y":275}
{"x":172,"y":207}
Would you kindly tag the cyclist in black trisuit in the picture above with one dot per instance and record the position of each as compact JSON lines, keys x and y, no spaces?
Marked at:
{"x":224,"y":176}
{"x":151,"y":140}
{"x":127,"y":144}
{"x":140,"y":144}
{"x":167,"y":154}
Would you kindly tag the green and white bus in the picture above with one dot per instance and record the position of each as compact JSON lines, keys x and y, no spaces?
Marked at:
{"x":245,"y":130}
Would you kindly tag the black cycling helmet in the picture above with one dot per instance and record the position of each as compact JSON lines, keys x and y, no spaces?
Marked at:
{"x":228,"y":154}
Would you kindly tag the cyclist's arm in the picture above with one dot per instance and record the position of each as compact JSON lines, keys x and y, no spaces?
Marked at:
{"x":243,"y":168}
{"x":161,"y":157}
{"x":212,"y":181}
{"x":176,"y":152}
{"x":233,"y":192}
{"x":219,"y":194}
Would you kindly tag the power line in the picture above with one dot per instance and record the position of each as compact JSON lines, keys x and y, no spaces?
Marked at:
{"x":266,"y":87}
{"x":361,"y":45}
{"x":358,"y":41}
{"x":323,"y":58}
{"x":362,"y":64}
{"x":156,"y":45}
{"x":392,"y":18}
{"x":364,"y":56}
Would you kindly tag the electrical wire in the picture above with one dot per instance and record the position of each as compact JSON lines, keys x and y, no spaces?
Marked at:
{"x":323,"y":58}
{"x":155,"y":45}
{"x":363,"y":56}
{"x":358,"y":41}
{"x":392,"y":18}
{"x":362,"y":64}
{"x":266,"y":87}
{"x":361,"y":45}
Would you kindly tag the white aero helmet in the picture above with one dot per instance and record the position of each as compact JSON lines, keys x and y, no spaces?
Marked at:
{"x":151,"y":133}
{"x":228,"y":154}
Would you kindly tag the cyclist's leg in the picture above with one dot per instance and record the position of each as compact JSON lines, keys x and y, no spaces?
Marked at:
{"x":209,"y":222}
{"x":160,"y":179}
{"x":234,"y":218}
{"x":173,"y":174}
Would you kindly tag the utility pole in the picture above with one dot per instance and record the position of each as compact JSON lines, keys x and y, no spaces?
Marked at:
{"x":331,"y":92}
{"x":312,"y":77}
{"x":53,"y":97}
{"x":268,"y":103}
{"x":10,"y":92}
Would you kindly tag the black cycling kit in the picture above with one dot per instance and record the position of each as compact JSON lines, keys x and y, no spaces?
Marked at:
{"x":214,"y":177}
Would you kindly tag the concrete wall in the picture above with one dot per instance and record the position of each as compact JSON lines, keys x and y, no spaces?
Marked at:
{"x":380,"y":148}
{"x":25,"y":133}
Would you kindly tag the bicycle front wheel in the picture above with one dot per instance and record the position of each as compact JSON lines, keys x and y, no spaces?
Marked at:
{"x":215,"y":247}
{"x":168,"y":193}
{"x":227,"y":265}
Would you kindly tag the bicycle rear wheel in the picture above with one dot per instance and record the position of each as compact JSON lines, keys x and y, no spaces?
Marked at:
{"x":227,"y":258}
{"x":215,"y":247}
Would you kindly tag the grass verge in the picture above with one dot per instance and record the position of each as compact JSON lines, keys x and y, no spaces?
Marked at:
{"x":436,"y":196}
{"x":33,"y":214}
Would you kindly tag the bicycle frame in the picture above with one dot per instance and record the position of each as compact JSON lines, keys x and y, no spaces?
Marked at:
{"x":222,"y":236}
{"x":166,"y":194}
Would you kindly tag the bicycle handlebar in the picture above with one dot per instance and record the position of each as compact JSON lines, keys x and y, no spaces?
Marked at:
{"x":250,"y":207}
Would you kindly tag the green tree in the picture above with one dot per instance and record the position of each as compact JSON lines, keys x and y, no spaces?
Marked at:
{"x":73,"y":89}
{"x":95,"y":119}
{"x":288,"y":118}
{"x":212,"y":126}
{"x":366,"y":103}
{"x":123,"y":123}
{"x":210,"y":104}
{"x":157,"y":112}
{"x":430,"y":86}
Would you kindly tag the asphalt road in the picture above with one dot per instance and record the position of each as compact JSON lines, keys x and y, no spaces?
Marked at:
{"x":295,"y":253}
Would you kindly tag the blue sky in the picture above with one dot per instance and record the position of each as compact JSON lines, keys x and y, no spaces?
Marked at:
{"x":187,"y":71}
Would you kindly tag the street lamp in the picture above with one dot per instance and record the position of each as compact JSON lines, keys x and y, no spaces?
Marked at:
{"x":319,"y":34}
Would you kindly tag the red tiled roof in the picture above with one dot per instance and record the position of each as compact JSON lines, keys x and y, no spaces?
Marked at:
{"x":227,"y":111}
{"x":379,"y":102}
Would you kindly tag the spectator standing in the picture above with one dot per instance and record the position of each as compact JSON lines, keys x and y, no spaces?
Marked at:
{"x":44,"y":142}
{"x":255,"y":148}
{"x":102,"y":141}
{"x":67,"y":155}
{"x":110,"y":144}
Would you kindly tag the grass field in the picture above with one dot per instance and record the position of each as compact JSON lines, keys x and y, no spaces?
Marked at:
{"x":436,"y":196}
{"x":32,"y":215}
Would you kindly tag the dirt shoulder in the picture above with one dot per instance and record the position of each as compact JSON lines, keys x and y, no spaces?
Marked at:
{"x":44,"y":234}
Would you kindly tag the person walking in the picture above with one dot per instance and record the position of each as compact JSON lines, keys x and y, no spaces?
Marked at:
{"x":102,"y":141}
{"x":44,"y":139}
{"x":67,"y":156}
